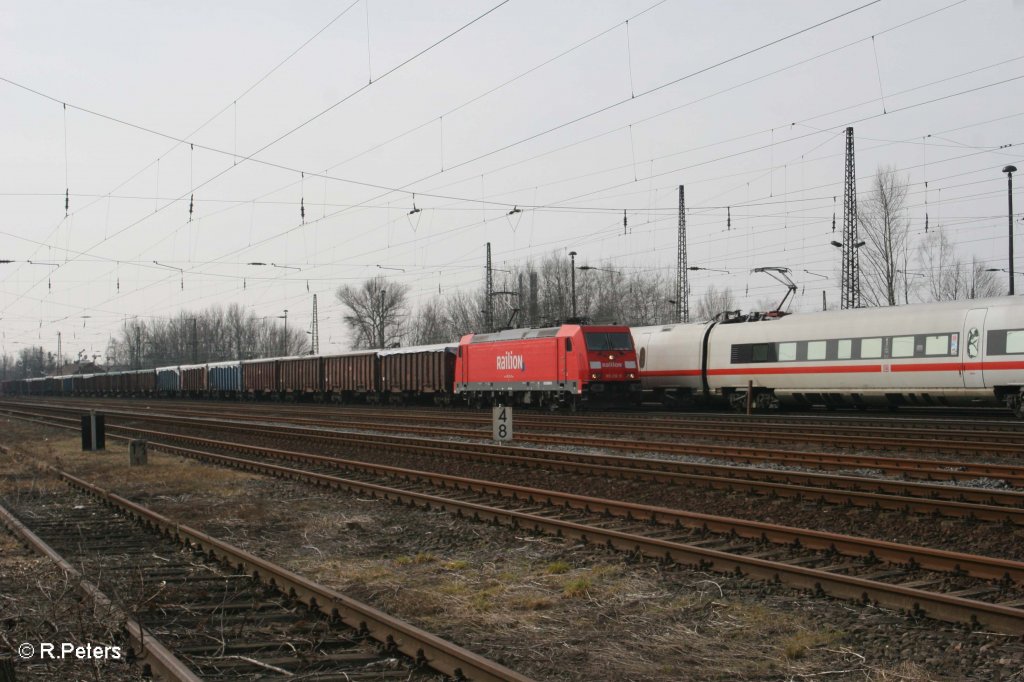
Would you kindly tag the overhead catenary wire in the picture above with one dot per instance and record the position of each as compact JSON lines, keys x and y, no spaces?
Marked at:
{"x":287,"y":133}
{"x":892,"y":28}
{"x":437,"y":208}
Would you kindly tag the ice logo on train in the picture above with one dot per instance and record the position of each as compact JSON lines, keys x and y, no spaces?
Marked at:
{"x":510,"y":361}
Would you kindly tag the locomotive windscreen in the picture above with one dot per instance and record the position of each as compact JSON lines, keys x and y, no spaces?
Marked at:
{"x":608,"y":340}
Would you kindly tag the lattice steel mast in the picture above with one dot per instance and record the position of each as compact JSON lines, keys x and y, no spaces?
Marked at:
{"x":682,"y":274}
{"x":315,"y":331}
{"x":850,"y":294}
{"x":489,"y":303}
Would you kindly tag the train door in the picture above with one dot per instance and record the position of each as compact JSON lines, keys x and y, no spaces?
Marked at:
{"x":973,"y":339}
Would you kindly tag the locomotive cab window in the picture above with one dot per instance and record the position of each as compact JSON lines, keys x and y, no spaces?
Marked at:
{"x":568,"y":345}
{"x":762,"y":352}
{"x":608,"y":340}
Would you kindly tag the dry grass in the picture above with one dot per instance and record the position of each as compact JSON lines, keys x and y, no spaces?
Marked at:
{"x":557,"y":568}
{"x":547,"y":607}
{"x":576,"y":588}
{"x":799,"y":644}
{"x":904,"y":672}
{"x":38,"y":603}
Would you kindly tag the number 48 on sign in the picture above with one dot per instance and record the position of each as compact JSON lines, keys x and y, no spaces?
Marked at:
{"x":502,"y":423}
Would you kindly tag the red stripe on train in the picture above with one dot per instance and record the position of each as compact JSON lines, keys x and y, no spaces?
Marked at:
{"x":843,"y":369}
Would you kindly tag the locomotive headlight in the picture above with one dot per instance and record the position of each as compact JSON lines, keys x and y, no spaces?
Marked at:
{"x":632,"y":376}
{"x":593,"y":375}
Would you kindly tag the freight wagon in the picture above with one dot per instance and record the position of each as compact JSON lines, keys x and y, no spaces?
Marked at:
{"x":351,"y":377}
{"x":168,"y":381}
{"x":259,"y":377}
{"x":418,"y":373}
{"x":225,"y":379}
{"x":300,"y":377}
{"x":193,"y":380}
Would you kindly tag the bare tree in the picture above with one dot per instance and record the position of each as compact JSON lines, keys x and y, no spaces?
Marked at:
{"x":34,"y":362}
{"x":555,"y":274}
{"x":713,"y":302}
{"x":135,"y":336}
{"x":886,"y":232}
{"x":376,"y":312}
{"x":431,"y":324}
{"x":949,"y":278}
{"x":210,"y":335}
{"x":646,"y":298}
{"x":984,"y":283}
{"x":604,"y":294}
{"x":943,"y":271}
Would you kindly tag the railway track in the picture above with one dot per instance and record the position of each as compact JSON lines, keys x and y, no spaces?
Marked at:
{"x":925,"y":469}
{"x":225,"y":613}
{"x":977,"y":591}
{"x":992,"y":437}
{"x":142,"y":648}
{"x":981,"y":504}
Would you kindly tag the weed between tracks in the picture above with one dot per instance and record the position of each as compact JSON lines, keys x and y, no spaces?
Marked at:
{"x":551,"y":609}
{"x":38,"y":603}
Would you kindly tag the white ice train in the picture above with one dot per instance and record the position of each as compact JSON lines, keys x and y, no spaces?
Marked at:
{"x":963,"y":353}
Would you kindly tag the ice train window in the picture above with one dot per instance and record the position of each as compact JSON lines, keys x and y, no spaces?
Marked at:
{"x":903,"y":346}
{"x":936,"y":345}
{"x":643,"y":357}
{"x":759,"y":353}
{"x":1015,"y":341}
{"x":816,"y":350}
{"x":787,"y":351}
{"x":843,"y":349}
{"x":872,"y":348}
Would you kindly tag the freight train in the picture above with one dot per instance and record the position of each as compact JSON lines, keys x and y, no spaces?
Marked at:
{"x":956,"y":354}
{"x":565,"y":366}
{"x":962,"y":353}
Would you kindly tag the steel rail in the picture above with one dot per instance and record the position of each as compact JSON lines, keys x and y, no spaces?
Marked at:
{"x":420,"y":645}
{"x":948,"y":607}
{"x":1002,"y":618}
{"x":1004,"y":442}
{"x":928,"y":501}
{"x":946,"y":470}
{"x":939,"y":560}
{"x":883,"y":434}
{"x":979,"y":504}
{"x":1006,"y":424}
{"x":160,"y":661}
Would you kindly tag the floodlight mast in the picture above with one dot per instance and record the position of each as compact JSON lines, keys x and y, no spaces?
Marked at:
{"x":780,"y":275}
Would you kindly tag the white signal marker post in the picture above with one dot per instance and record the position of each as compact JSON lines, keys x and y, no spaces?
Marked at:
{"x":502,"y":423}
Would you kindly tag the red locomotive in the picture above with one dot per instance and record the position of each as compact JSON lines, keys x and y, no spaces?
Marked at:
{"x":552,"y":366}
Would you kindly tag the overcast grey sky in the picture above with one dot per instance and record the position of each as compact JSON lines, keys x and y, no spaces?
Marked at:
{"x":376,"y":99}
